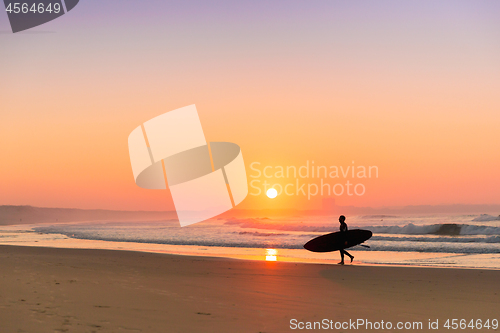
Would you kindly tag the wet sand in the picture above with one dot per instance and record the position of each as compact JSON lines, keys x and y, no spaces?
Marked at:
{"x":82,"y":290}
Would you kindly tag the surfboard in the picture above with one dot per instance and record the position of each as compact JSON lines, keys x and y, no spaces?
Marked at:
{"x":337,"y":240}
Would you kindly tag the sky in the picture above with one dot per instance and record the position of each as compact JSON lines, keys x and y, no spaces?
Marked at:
{"x":410,"y":87}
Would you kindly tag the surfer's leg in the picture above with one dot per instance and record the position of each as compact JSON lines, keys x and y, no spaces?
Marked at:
{"x":349,"y":255}
{"x":341,"y":257}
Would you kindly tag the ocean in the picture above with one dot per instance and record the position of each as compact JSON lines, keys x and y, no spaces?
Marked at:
{"x":468,"y":241}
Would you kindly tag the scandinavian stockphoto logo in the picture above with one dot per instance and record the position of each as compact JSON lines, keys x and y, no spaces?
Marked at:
{"x":26,"y":14}
{"x":205,"y":179}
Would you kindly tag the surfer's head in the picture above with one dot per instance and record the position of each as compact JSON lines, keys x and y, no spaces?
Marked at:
{"x":341,"y":218}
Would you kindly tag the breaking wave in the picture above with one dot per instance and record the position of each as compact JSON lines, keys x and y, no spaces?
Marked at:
{"x":450,"y":229}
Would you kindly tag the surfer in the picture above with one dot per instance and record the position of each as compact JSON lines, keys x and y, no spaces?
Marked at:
{"x":343,"y":229}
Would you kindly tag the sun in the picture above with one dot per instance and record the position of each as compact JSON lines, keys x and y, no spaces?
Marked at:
{"x":272,"y":193}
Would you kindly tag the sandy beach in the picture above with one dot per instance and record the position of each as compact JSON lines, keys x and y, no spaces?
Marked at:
{"x":79,"y":290}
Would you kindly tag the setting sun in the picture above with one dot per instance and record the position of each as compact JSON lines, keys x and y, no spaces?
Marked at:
{"x":272,"y":193}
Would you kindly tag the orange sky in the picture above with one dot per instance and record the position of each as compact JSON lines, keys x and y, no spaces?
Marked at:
{"x":417,"y":98}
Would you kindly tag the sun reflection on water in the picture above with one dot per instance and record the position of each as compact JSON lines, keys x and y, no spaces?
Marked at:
{"x":271,"y":254}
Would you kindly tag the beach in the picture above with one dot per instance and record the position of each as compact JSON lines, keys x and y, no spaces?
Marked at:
{"x":84,"y":290}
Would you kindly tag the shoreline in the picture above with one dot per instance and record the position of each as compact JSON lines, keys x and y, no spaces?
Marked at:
{"x":24,"y":235}
{"x":246,"y":254}
{"x":110,"y":291}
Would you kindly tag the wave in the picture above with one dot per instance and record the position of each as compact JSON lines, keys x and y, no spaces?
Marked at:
{"x":261,"y":234}
{"x":423,"y":247}
{"x":265,"y":233}
{"x":378,"y":216}
{"x":450,"y":239}
{"x":218,"y":242}
{"x":486,"y":218}
{"x":449,"y":229}
{"x":376,"y":243}
{"x":278,"y":225}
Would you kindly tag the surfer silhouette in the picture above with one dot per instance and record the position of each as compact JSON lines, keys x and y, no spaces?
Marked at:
{"x":343,"y":230}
